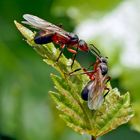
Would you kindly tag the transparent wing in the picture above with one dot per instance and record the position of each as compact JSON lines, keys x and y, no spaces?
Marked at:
{"x":43,"y":24}
{"x":95,"y":96}
{"x":37,"y":22}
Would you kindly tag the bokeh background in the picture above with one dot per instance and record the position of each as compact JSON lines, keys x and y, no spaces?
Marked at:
{"x":26,"y":110}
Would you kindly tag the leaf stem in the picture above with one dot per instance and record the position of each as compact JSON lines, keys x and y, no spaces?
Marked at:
{"x":93,"y":138}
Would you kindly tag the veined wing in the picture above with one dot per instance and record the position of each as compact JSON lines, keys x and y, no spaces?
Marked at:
{"x":95,"y":96}
{"x":43,"y":24}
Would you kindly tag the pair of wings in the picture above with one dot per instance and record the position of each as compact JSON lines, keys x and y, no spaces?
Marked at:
{"x":95,"y":95}
{"x":44,"y":25}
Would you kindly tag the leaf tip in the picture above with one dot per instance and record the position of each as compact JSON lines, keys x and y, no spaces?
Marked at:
{"x":28,"y":34}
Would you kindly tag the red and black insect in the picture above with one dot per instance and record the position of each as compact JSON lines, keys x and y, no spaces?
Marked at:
{"x":52,"y":33}
{"x":93,"y":92}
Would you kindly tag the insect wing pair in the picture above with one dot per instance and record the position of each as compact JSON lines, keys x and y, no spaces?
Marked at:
{"x":43,"y":25}
{"x":93,"y":92}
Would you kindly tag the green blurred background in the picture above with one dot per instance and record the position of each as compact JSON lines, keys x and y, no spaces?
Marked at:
{"x":26,"y":110}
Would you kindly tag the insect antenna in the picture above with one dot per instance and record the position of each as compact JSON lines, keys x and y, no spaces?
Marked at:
{"x":95,"y":51}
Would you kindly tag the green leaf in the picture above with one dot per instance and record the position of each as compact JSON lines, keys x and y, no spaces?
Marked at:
{"x":116,"y":109}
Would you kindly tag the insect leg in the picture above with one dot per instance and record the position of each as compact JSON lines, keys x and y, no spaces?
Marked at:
{"x":71,"y":73}
{"x":62,"y":49}
{"x":82,"y":69}
{"x":108,"y":79}
{"x":74,"y":57}
{"x":89,"y":73}
{"x":106,"y":92}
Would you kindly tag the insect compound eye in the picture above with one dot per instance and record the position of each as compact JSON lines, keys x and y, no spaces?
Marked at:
{"x":83,"y":45}
{"x":73,"y":37}
{"x":104,"y":69}
{"x":103,"y":60}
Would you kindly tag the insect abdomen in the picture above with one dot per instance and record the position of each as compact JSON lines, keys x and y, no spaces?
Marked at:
{"x":43,"y":37}
{"x":84,"y":94}
{"x":86,"y":90}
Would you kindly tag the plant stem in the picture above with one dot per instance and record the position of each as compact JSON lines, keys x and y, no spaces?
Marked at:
{"x":93,"y":138}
